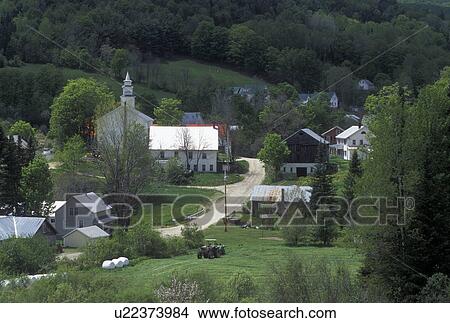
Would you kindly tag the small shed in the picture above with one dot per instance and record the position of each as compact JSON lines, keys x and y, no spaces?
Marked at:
{"x":80,"y":237}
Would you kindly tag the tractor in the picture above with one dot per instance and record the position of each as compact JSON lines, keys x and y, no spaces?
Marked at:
{"x":211,"y":250}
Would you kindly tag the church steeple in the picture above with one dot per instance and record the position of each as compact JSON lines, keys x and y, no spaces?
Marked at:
{"x":128,"y":97}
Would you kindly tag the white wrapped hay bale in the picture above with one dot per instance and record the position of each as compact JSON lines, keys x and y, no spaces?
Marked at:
{"x":125,"y":260}
{"x":108,"y":264}
{"x":118,"y":263}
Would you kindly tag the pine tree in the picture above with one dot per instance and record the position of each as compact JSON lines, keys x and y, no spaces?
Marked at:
{"x":10,"y":168}
{"x":323,"y":191}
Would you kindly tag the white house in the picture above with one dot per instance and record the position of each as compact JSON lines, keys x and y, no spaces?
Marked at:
{"x":349,"y":141}
{"x":195,"y":147}
{"x":111,"y":125}
{"x":304,"y":98}
{"x":366,"y":85}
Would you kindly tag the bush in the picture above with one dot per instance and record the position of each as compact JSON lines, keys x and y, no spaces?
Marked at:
{"x":299,"y":281}
{"x":208,"y":289}
{"x":193,"y":236}
{"x":296,"y":235}
{"x":175,"y":173}
{"x":239,"y":167}
{"x":437,"y":289}
{"x":140,"y":241}
{"x":26,"y":256}
{"x":240,"y":287}
{"x":68,"y":287}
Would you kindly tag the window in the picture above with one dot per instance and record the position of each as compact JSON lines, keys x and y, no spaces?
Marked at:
{"x":195,"y":168}
{"x":203,"y":168}
{"x":211,"y":168}
{"x":175,"y":154}
{"x":284,"y":169}
{"x":203,"y":155}
{"x":190,"y":155}
{"x":52,"y":220}
{"x":361,"y":142}
{"x":71,"y":211}
{"x":345,"y":141}
{"x":80,"y":223}
{"x":161,"y":155}
{"x":292,"y":170}
{"x":354,"y":142}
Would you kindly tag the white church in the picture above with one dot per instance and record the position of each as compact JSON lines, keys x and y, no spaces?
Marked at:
{"x":196,"y":147}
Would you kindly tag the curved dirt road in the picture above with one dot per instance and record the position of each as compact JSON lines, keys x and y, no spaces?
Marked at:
{"x":236,"y":194}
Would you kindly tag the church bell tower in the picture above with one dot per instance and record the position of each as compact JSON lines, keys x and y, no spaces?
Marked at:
{"x":127,"y":98}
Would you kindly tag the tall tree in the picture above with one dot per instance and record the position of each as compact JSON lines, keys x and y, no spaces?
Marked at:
{"x":323,"y":192}
{"x":74,"y":108}
{"x":273,"y":154}
{"x":36,"y":187}
{"x":168,"y":113}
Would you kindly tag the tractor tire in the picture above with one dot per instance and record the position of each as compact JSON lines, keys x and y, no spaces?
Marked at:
{"x":199,"y":255}
{"x":211,"y":254}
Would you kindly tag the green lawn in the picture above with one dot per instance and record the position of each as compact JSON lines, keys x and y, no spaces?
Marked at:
{"x":160,"y":214}
{"x":214,"y":179}
{"x":250,"y":250}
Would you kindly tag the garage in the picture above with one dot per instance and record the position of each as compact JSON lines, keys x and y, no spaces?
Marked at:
{"x":82,"y":236}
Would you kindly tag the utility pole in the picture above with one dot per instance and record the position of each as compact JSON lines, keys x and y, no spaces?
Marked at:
{"x":225,"y":178}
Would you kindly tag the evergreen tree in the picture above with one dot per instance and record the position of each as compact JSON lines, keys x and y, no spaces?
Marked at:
{"x":354,"y":173}
{"x":10,"y":169}
{"x":322,"y":193}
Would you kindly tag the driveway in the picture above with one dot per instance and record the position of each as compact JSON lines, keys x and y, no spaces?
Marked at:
{"x":236,"y":194}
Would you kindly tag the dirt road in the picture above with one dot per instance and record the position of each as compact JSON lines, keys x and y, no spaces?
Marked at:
{"x":236,"y":194}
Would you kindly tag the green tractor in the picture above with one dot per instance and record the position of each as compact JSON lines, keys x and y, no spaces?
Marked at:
{"x":211,"y":250}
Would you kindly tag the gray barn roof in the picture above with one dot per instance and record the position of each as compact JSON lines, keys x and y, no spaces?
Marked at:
{"x":19,"y":227}
{"x":91,"y":232}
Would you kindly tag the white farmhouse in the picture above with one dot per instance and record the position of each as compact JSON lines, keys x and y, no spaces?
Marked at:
{"x":111,"y":125}
{"x":349,"y":141}
{"x":195,"y":147}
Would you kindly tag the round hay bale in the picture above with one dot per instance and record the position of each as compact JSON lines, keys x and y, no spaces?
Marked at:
{"x":118,"y":263}
{"x":108,"y":264}
{"x":125,"y":260}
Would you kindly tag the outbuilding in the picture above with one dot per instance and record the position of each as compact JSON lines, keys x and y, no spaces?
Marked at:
{"x":80,"y":237}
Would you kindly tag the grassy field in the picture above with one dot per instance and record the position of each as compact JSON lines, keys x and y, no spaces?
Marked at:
{"x":214,"y":179}
{"x":250,"y":250}
{"x":160,"y":214}
{"x":197,"y":70}
{"x":114,"y":84}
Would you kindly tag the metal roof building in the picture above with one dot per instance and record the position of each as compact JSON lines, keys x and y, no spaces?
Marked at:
{"x":274,"y":194}
{"x":19,"y":227}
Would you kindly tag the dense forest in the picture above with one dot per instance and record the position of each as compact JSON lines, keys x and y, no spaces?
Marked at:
{"x":308,"y":43}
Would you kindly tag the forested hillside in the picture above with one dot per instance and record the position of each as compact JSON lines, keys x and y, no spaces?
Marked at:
{"x":310,"y":44}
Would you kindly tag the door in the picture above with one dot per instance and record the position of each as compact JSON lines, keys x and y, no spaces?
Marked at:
{"x":302,"y":171}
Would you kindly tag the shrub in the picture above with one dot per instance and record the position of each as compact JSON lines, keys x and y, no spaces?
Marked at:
{"x":437,"y":289}
{"x":68,"y":287}
{"x":239,"y":167}
{"x":295,"y":235}
{"x":26,"y":256}
{"x":240,"y":287}
{"x":193,"y":236}
{"x":312,"y":282}
{"x":140,"y":241}
{"x":175,"y":173}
